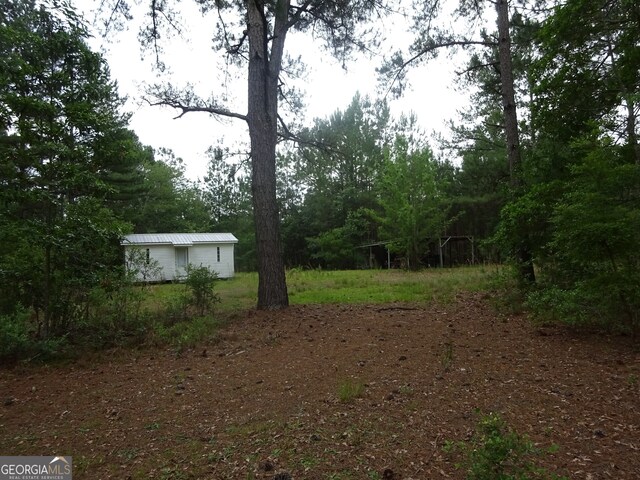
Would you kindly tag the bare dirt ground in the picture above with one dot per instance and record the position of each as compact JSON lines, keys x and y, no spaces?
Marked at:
{"x":265,"y":398}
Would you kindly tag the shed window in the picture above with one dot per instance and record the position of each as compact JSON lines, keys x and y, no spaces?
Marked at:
{"x":218,"y":254}
{"x":148,"y":257}
{"x":182,"y":257}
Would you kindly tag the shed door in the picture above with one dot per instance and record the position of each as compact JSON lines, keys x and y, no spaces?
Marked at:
{"x":182,"y":260}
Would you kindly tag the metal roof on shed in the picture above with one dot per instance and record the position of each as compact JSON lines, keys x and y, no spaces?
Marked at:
{"x":180,"y":239}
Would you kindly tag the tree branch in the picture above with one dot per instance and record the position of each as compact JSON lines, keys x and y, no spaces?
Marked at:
{"x":187,"y":109}
{"x":477,"y":67}
{"x":430,"y":49}
{"x":287,"y":134}
{"x":299,"y":11}
{"x":186,"y":101}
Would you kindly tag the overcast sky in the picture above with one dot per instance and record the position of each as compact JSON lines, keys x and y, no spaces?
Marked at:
{"x":327,"y":86}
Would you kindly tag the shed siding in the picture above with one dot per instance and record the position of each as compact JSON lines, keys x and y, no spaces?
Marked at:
{"x":199,"y":255}
{"x":207,"y":256}
{"x":166,"y":257}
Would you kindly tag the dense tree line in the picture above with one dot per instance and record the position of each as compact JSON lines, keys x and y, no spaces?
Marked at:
{"x":572,"y":202}
{"x":74,"y":178}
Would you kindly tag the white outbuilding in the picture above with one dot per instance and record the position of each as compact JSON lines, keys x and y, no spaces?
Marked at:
{"x":171,"y":253}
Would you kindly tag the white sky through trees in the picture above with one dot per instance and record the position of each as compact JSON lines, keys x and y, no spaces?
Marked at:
{"x":326,"y":86}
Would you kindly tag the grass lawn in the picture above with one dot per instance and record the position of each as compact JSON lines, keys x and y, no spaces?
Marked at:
{"x":349,"y":286}
{"x":384,"y":286}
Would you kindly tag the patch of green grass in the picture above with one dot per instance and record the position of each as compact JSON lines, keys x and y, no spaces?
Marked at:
{"x":238,"y":293}
{"x":383,"y":286}
{"x":172,"y":473}
{"x":341,"y":286}
{"x":90,"y":425}
{"x":308,"y":462}
{"x":405,"y":390}
{"x":349,"y":390}
{"x":128,"y":454}
{"x":187,"y":333}
{"x":84,"y":464}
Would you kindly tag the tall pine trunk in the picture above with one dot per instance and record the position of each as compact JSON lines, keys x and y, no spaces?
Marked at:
{"x":262,"y":118}
{"x":524,"y":256}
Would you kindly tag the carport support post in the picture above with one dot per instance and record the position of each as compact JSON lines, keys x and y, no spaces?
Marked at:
{"x":388,"y":258}
{"x":473,"y":252}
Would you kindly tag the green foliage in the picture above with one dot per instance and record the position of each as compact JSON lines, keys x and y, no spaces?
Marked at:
{"x":114,"y":314}
{"x":413,"y":208}
{"x":594,"y":277}
{"x":14,"y":336}
{"x":73,"y":180}
{"x":495,"y":452}
{"x":108,"y":314}
{"x":381,"y":286}
{"x":580,"y":209}
{"x":181,"y":314}
{"x":336,"y":248}
{"x":140,"y":267}
{"x":200,"y":282}
{"x":599,"y":77}
{"x":119,"y":311}
{"x":337,"y":168}
{"x":18,"y":339}
{"x":524,"y":224}
{"x":168,"y":202}
{"x":58,"y":241}
{"x":185,"y":333}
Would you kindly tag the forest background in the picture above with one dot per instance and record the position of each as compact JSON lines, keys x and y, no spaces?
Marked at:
{"x":75,"y":178}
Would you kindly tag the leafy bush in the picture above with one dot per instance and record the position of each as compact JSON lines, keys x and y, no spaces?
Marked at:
{"x":18,"y":340}
{"x":200,"y":283}
{"x":115,"y":313}
{"x":495,"y":452}
{"x":594,"y":277}
{"x":14,"y":335}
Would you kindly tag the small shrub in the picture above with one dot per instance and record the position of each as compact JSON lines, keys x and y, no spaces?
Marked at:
{"x":139,"y":266}
{"x":509,"y":295}
{"x":14,"y":337}
{"x":200,"y":282}
{"x":495,"y":452}
{"x":18,"y":340}
{"x":115,"y":314}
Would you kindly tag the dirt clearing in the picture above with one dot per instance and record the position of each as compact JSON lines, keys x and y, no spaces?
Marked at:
{"x":334,"y":392}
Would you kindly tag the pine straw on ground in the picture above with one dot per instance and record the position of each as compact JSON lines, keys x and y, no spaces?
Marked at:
{"x":335,"y":392}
